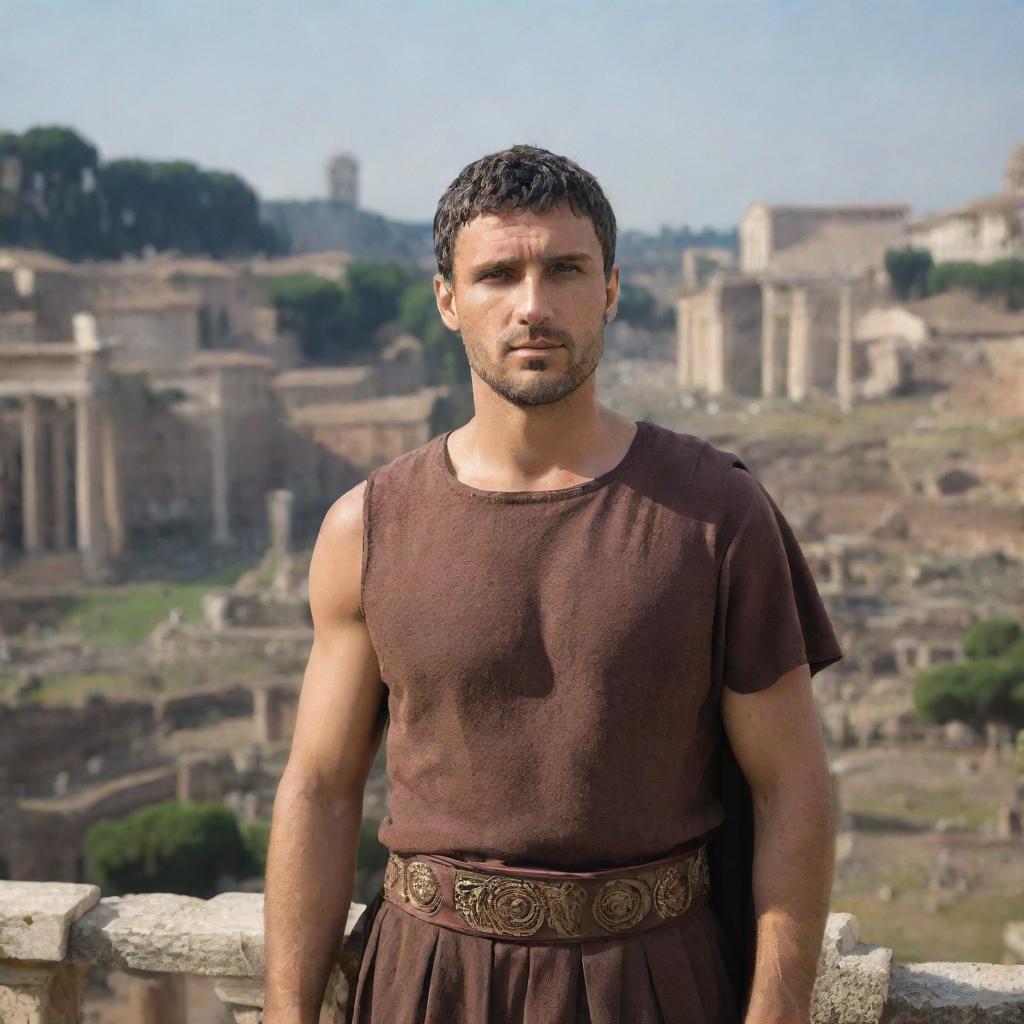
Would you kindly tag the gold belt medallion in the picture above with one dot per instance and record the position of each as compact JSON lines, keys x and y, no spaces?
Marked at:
{"x":506,"y":905}
{"x":514,"y":906}
{"x":394,"y":878}
{"x":424,"y":887}
{"x":673,"y":894}
{"x":622,"y":903}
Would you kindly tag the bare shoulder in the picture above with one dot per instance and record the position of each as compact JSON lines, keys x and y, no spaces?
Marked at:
{"x":335,"y":569}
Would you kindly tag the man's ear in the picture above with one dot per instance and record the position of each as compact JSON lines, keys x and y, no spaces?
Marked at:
{"x":612,"y":295}
{"x":444,"y":293}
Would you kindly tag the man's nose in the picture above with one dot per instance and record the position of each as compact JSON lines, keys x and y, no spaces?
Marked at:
{"x":533,"y":305}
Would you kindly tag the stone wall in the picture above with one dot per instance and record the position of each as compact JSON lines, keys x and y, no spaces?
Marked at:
{"x":51,"y":933}
{"x":37,"y":742}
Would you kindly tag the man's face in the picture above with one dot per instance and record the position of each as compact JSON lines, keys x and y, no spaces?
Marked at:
{"x":522,"y":278}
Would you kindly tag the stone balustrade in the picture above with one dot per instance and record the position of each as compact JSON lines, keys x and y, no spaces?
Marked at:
{"x":50,"y":932}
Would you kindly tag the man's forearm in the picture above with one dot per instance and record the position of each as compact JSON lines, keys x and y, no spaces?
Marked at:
{"x":310,"y":875}
{"x":794,"y":857}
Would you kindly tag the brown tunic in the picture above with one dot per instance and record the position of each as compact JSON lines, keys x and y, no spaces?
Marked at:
{"x":554,"y":663}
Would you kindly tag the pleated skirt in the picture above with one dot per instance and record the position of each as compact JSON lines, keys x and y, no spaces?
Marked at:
{"x":412,"y":971}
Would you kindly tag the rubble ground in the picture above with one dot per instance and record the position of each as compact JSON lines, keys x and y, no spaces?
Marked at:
{"x":914,"y":881}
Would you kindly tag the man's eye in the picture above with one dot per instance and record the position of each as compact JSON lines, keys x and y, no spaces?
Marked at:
{"x":494,"y":273}
{"x":562,"y":267}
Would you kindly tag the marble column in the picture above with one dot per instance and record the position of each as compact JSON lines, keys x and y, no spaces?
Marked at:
{"x":61,"y":483}
{"x":684,"y":343}
{"x":112,"y":516}
{"x":31,"y":475}
{"x":844,"y":368}
{"x":87,"y":478}
{"x":769,"y":342}
{"x":799,"y":346}
{"x":279,"y":517}
{"x":219,"y":467}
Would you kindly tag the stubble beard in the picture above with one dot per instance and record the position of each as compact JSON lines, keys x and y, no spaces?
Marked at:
{"x":536,"y":383}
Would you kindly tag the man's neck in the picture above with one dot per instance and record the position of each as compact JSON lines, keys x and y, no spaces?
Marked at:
{"x":523,"y":448}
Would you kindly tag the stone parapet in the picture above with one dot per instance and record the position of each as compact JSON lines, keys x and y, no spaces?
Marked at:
{"x":50,"y":933}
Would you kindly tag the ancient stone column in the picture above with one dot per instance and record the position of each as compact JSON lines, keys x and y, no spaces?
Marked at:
{"x":799,"y":346}
{"x":112,"y":516}
{"x":219,"y":466}
{"x":769,"y":342}
{"x":684,"y":346}
{"x":844,"y":368}
{"x":31,"y":475}
{"x":279,"y":517}
{"x":61,"y":483}
{"x":90,"y":532}
{"x":266,"y":713}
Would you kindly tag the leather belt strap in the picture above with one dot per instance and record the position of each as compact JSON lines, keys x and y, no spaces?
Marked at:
{"x":534,"y":905}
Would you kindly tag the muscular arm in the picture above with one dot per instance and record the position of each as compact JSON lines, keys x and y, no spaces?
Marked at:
{"x":778,"y":744}
{"x":314,"y":834}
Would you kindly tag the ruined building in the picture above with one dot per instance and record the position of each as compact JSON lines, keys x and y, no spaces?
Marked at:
{"x":338,"y":222}
{"x":780,"y":325}
{"x":343,"y":178}
{"x":987,"y":229}
{"x":800,"y":316}
{"x":156,"y":396}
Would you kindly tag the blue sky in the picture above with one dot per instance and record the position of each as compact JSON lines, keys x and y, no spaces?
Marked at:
{"x":685,"y":111}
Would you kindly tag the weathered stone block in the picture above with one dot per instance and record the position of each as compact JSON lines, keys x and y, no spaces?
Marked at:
{"x":35,"y":917}
{"x":955,"y":993}
{"x":164,"y":932}
{"x":853,"y":978}
{"x":41,"y":994}
{"x":222,"y":936}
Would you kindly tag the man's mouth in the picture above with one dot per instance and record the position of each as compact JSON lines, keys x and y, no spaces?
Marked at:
{"x":539,"y":343}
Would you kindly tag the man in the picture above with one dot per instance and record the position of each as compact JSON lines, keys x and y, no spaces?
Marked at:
{"x":591,"y":641}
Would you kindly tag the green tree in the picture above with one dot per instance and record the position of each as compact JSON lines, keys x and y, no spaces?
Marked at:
{"x":639,"y":307}
{"x":315,"y":310}
{"x":10,"y":172}
{"x":58,"y":204}
{"x":256,"y":837}
{"x":170,"y":847}
{"x":992,"y":638}
{"x":176,"y":205}
{"x":1001,"y":280}
{"x":67,"y":202}
{"x":337,"y":325}
{"x":987,"y":687}
{"x":374,"y":291}
{"x":942,"y":694}
{"x":443,"y":350}
{"x":908,"y":271}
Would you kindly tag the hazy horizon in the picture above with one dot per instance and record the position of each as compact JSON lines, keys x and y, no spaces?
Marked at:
{"x":686,"y":113}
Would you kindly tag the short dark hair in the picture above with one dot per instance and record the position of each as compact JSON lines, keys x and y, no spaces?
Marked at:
{"x":520,"y":178}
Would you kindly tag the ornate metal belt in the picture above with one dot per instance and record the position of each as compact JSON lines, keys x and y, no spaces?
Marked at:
{"x":529,"y":904}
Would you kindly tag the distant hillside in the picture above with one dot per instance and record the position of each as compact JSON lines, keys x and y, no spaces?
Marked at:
{"x":316,"y":225}
{"x":647,"y":253}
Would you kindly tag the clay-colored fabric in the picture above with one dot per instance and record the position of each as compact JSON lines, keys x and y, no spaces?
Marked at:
{"x":554,"y":663}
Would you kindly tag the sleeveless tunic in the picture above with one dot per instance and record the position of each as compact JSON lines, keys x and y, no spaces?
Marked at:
{"x":554,"y":662}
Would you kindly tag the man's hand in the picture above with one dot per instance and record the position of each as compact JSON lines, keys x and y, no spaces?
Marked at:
{"x":777,"y":740}
{"x":314,"y":835}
